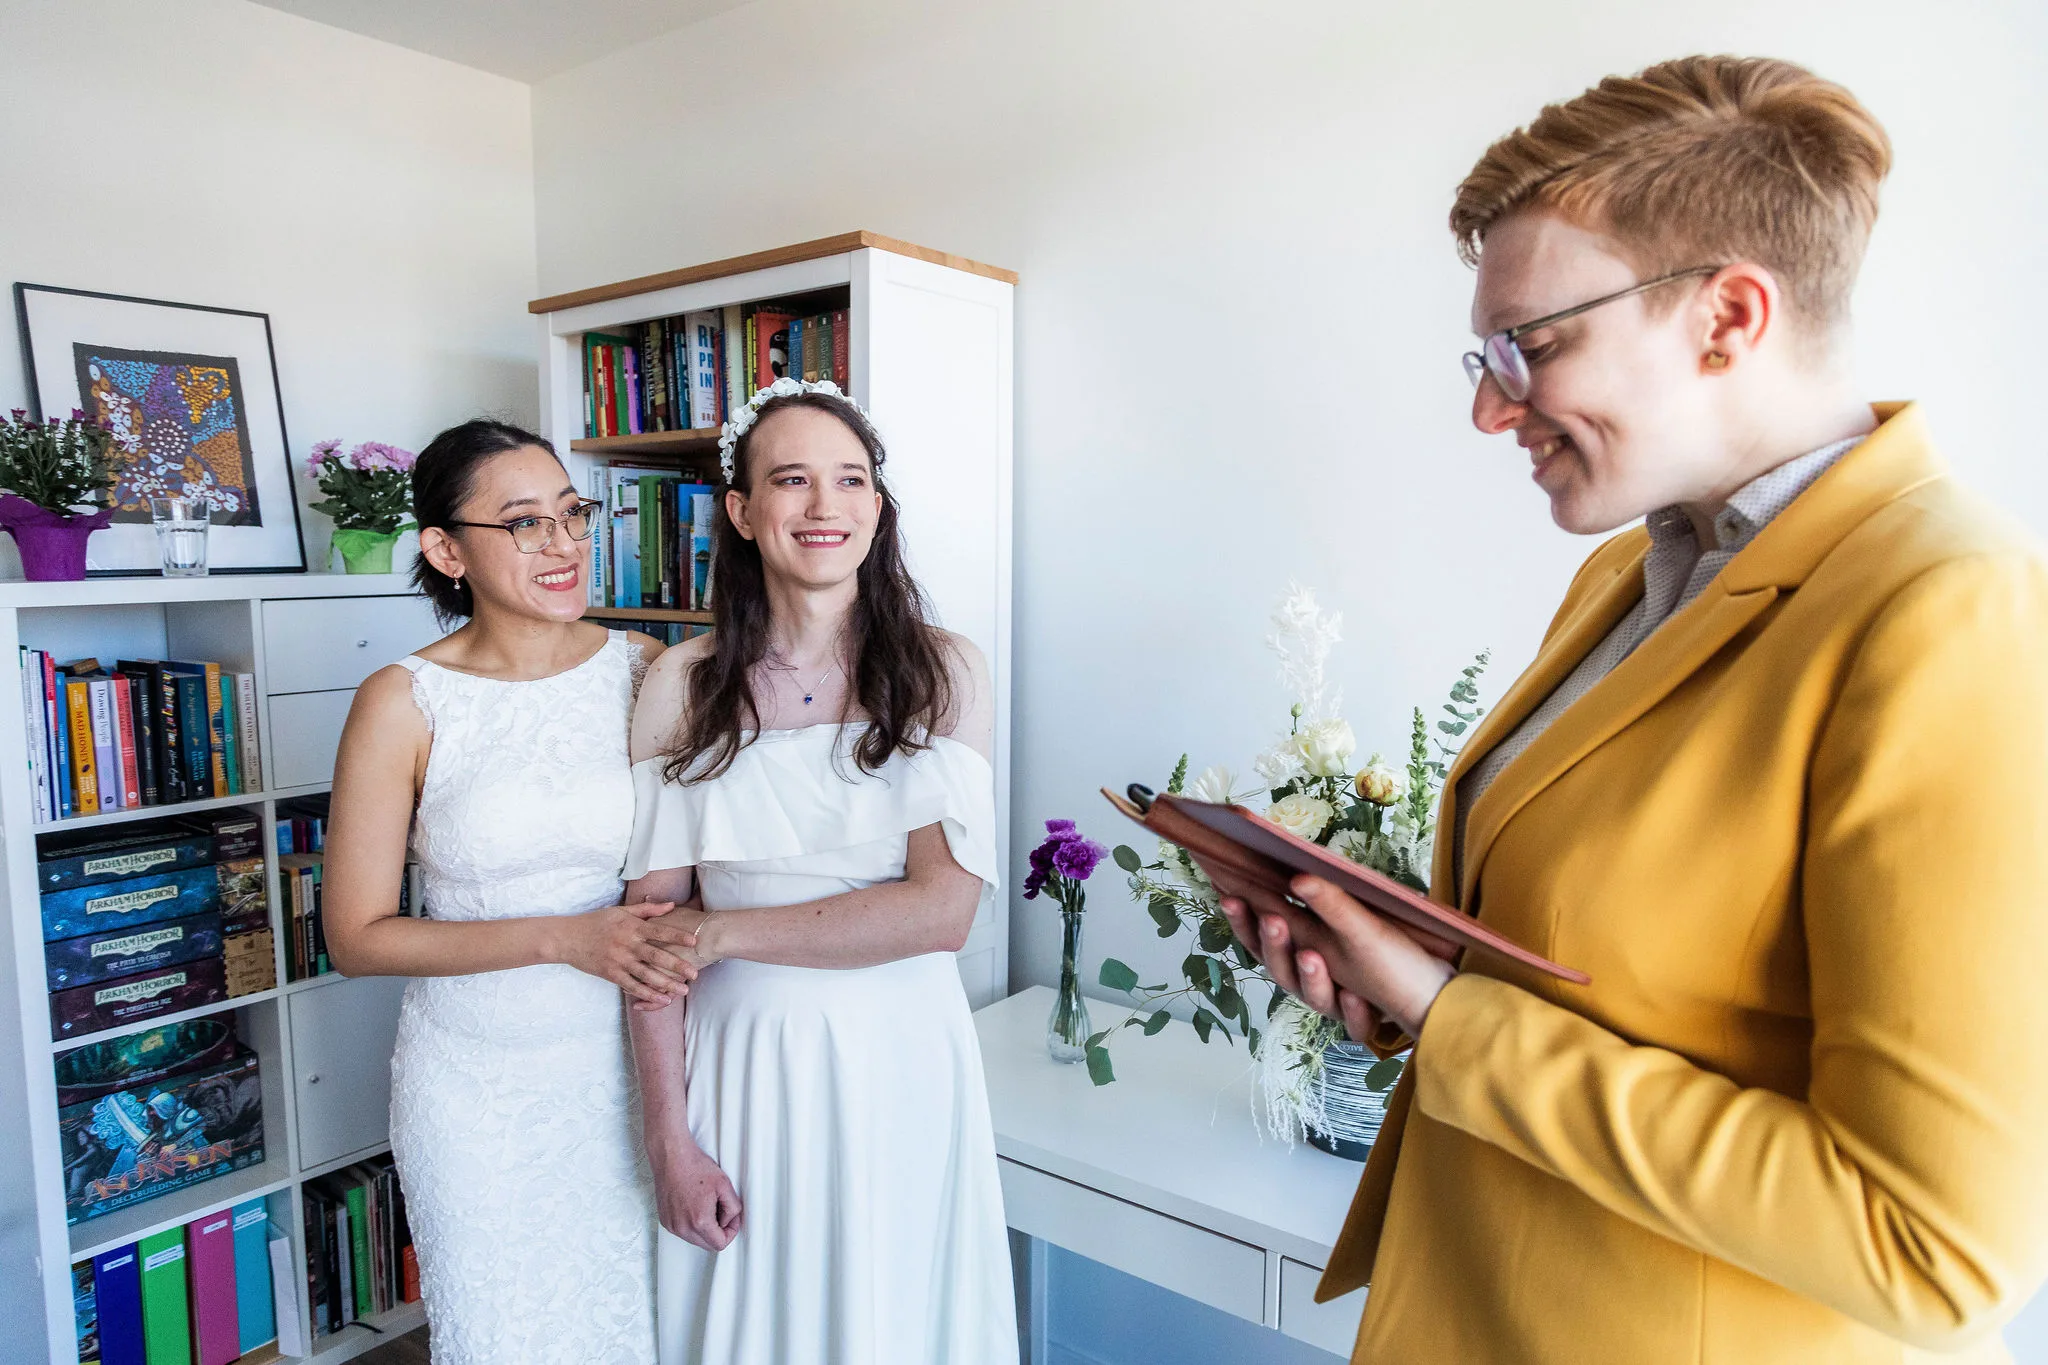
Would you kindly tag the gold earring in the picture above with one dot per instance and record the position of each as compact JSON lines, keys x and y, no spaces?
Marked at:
{"x":1716,"y":360}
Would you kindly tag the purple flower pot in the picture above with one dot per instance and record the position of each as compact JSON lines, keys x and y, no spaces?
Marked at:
{"x":52,"y":546}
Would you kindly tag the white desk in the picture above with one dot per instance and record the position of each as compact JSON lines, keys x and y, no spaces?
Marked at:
{"x":1163,"y":1174}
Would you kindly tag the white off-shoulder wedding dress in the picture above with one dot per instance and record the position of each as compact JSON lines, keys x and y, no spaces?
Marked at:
{"x":513,"y":1105}
{"x":847,"y":1107}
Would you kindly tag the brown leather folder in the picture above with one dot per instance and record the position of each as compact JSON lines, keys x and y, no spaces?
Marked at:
{"x":1246,"y":845}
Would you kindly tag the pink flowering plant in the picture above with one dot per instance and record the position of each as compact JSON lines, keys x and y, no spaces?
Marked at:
{"x":368,"y":489}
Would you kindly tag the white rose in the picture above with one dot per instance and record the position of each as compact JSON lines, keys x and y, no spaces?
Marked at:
{"x":1382,"y":784}
{"x":1302,"y":815}
{"x":1278,"y":766}
{"x":1213,"y":785}
{"x":1354,"y":844}
{"x":1326,"y":747}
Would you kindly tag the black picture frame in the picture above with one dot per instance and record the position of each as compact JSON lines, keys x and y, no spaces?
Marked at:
{"x":127,"y":549}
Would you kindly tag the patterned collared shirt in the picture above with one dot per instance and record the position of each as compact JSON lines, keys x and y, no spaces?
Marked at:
{"x":1675,"y":571}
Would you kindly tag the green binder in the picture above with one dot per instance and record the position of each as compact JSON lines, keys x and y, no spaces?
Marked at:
{"x":166,"y":1317}
{"x":359,"y":1233}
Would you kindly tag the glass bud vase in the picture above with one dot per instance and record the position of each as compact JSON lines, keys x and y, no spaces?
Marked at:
{"x":1066,"y":1032}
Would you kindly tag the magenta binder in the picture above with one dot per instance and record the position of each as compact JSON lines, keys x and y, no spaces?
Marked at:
{"x":210,"y":1261}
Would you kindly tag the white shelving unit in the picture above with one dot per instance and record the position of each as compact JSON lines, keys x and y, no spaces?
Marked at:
{"x":931,"y":359}
{"x":309,"y":640}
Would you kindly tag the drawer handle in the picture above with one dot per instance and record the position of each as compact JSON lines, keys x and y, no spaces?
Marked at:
{"x":362,"y":644}
{"x":313,"y":1079}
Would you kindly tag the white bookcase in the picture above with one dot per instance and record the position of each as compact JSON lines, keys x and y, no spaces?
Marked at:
{"x":323,"y":1044}
{"x":931,"y":360}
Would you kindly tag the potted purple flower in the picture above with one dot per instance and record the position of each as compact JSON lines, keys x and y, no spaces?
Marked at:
{"x":1058,"y":867}
{"x":59,"y":479}
{"x":369,"y":496}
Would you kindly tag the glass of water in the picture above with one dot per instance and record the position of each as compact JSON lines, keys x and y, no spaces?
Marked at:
{"x":181,"y":524}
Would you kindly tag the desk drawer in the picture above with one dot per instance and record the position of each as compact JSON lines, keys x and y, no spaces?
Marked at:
{"x":305,"y":731}
{"x":318,"y":644}
{"x":1203,"y":1265}
{"x":1332,"y":1326}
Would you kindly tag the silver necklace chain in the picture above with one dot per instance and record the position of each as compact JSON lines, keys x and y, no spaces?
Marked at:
{"x":810,"y":693}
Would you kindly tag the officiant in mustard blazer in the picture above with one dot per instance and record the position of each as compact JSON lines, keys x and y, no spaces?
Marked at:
{"x":1777,"y":779}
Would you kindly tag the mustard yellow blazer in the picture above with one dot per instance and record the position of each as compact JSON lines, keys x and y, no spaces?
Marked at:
{"x":1800,"y":840}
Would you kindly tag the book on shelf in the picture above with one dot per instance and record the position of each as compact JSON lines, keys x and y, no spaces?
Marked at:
{"x":141,"y":733}
{"x":657,"y":519}
{"x":359,"y":1258}
{"x":117,"y":1302}
{"x":255,"y":1297}
{"x":291,"y":1337}
{"x":689,"y":372}
{"x":210,"y":1283}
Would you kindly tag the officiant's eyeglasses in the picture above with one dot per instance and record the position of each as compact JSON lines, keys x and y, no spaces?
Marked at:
{"x":1500,"y":355}
{"x":534,"y":534}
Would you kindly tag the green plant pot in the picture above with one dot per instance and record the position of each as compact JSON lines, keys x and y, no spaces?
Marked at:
{"x":365,"y":551}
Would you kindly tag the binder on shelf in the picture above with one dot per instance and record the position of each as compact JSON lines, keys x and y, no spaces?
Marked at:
{"x":117,"y":1294}
{"x":284,"y":1308}
{"x":255,"y":1305}
{"x":210,"y":1265}
{"x":85,"y":1313}
{"x":166,"y":1307}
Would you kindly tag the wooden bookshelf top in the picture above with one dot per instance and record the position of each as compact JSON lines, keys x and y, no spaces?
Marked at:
{"x":701,"y":442}
{"x":762,"y":260}
{"x":693,"y":618}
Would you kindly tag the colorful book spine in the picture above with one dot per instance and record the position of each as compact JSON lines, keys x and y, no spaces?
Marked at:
{"x":142,"y":716}
{"x":85,"y":1313}
{"x":635,"y":399}
{"x":210,"y":1269}
{"x":648,"y":500}
{"x":255,"y":1304}
{"x":105,"y":751}
{"x":245,"y":718}
{"x":166,"y":1306}
{"x":359,"y":1250}
{"x":842,"y":353}
{"x":117,"y":1297}
{"x":733,"y":361}
{"x":31,"y":710}
{"x":124,"y":738}
{"x":192,"y":731}
{"x":84,"y":758}
{"x":216,"y":729}
{"x":599,"y":587}
{"x":60,"y":743}
{"x":703,"y":329}
{"x":793,"y":348}
{"x":230,"y":736}
{"x":702,"y":516}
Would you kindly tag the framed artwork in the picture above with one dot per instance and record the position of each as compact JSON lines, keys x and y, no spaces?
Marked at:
{"x":192,"y":396}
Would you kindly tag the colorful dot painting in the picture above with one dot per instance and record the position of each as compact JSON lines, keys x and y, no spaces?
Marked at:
{"x":181,"y":421}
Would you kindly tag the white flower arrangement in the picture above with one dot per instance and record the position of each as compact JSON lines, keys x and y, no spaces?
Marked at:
{"x":743,"y":420}
{"x":1379,"y":816}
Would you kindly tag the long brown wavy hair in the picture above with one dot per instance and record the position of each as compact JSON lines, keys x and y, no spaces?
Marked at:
{"x":898,"y":659}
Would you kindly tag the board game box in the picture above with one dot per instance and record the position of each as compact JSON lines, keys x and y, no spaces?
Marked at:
{"x":90,"y":857}
{"x":130,"y":903}
{"x":82,"y":1010}
{"x":155,"y":1111}
{"x":242,"y":903}
{"x":128,"y":951}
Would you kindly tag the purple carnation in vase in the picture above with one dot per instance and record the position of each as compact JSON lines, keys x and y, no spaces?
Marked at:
{"x":1065,"y":854}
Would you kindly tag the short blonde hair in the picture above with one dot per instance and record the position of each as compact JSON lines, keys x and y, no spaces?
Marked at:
{"x":1701,"y":161}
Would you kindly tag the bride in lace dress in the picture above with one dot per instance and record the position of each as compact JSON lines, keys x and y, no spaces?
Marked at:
{"x":817,"y":772}
{"x":502,"y":751}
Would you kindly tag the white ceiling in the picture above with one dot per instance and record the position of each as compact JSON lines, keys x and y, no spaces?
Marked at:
{"x":527,"y":40}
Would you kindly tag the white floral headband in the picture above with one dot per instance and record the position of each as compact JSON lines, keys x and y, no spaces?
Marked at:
{"x":743,"y":420}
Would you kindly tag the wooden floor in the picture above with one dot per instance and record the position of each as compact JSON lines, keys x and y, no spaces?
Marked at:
{"x":410,"y":1349}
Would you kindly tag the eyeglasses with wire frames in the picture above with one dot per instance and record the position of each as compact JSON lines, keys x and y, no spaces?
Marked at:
{"x":533,"y":534}
{"x":1500,"y":355}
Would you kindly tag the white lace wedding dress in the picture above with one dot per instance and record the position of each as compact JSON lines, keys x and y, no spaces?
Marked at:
{"x":514,"y":1117}
{"x":847,"y":1106}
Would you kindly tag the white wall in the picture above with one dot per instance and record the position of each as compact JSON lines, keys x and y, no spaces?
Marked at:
{"x":1240,"y":315}
{"x":377,"y":203}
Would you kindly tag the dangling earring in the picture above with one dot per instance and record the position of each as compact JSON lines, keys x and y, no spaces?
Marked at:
{"x":1716,"y":360}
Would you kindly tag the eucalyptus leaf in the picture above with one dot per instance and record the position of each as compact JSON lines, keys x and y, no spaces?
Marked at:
{"x":1159,"y":1020}
{"x":1127,"y":858}
{"x":1256,"y":1038}
{"x":1204,"y":1021}
{"x":1099,"y":1069}
{"x":1215,"y":935}
{"x":1116,"y":976}
{"x":1383,"y":1074}
{"x":1095,"y":1039}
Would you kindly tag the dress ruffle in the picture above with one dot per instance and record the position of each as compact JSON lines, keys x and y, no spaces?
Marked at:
{"x":796,"y":792}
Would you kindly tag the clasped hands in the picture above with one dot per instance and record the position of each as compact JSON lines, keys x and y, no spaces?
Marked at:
{"x":1339,"y":958}
{"x":651,"y":950}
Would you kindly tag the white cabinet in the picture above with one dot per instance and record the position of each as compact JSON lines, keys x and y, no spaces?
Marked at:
{"x":305,"y":728}
{"x":1333,"y":1325}
{"x":320,"y":644}
{"x":342,"y":1034}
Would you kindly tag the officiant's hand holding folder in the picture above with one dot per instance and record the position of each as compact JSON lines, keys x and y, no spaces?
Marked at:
{"x":1258,"y":853}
